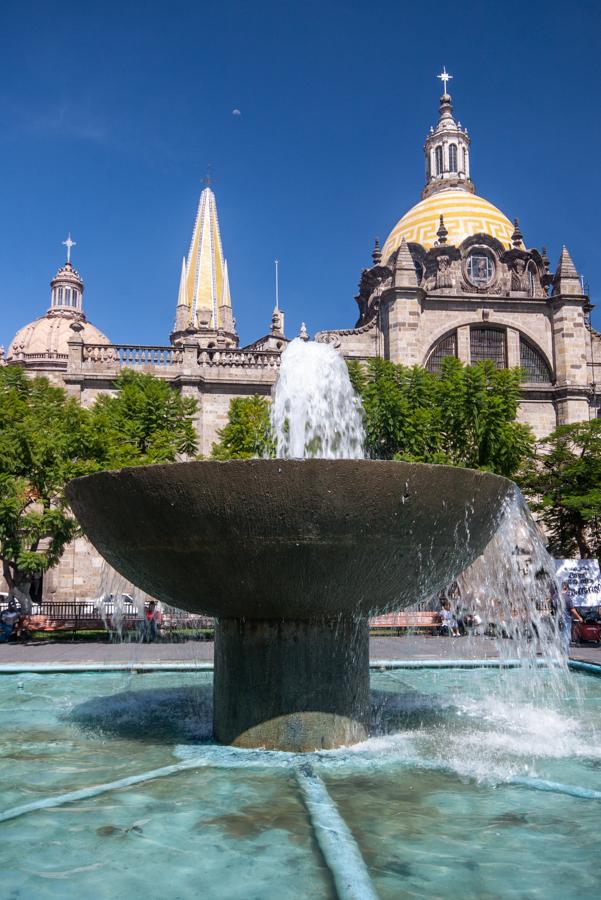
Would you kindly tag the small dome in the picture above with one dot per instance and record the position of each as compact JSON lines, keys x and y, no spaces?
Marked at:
{"x":48,"y":337}
{"x":464,"y":214}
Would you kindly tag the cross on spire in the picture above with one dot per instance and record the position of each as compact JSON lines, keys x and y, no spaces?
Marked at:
{"x":444,"y":77}
{"x":68,"y":244}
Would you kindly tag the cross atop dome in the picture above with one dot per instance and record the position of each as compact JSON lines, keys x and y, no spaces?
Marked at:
{"x":444,"y":77}
{"x":68,"y":244}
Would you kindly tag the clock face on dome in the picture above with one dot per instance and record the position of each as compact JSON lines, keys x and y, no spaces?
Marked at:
{"x":480,"y":269}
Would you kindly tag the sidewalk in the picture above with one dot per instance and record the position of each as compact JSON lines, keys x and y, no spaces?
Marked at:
{"x":405,"y":647}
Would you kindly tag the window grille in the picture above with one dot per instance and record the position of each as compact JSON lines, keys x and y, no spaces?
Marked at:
{"x":488,"y":343}
{"x":536,"y":370}
{"x":439,"y":160}
{"x":445,"y":347}
{"x":453,"y":157}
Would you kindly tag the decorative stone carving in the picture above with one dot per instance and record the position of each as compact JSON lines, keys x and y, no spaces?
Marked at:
{"x":444,"y":276}
{"x":519,"y":275}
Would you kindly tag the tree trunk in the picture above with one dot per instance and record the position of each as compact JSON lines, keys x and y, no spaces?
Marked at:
{"x":581,"y":539}
{"x":19,"y":585}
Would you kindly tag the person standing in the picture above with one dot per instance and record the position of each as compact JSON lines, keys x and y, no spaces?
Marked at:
{"x":152,"y":617}
{"x":570,"y":613}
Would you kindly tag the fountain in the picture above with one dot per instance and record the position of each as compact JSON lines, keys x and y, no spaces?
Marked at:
{"x":292,"y":555}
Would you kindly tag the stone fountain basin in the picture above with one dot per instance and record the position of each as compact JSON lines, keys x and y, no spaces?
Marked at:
{"x":289,"y":539}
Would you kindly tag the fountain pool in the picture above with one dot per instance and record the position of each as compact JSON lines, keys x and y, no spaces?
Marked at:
{"x":428,"y":783}
{"x":448,"y":805}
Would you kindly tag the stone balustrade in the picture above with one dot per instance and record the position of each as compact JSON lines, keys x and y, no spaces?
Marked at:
{"x":135,"y":356}
{"x":255,"y":359}
{"x":96,"y":359}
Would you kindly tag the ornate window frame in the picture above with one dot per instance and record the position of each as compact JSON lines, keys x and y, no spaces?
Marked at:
{"x":480,"y":250}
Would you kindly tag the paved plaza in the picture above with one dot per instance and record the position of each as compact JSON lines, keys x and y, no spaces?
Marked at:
{"x":405,"y":647}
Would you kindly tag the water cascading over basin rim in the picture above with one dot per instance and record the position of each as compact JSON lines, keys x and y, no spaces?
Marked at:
{"x":289,"y":538}
{"x":291,"y":556}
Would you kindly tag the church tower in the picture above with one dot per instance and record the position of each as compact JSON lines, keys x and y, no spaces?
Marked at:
{"x":204,"y":308}
{"x":447,"y":150}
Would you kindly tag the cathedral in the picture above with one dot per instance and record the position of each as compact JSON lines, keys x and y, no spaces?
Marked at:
{"x":454,"y":278}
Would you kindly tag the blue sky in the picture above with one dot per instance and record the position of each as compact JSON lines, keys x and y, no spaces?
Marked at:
{"x":111,"y":112}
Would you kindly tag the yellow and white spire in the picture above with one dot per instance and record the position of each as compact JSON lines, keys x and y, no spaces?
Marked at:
{"x":204,"y":301}
{"x":205,"y":264}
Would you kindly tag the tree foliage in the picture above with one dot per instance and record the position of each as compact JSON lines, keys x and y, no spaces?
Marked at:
{"x":465,"y":416}
{"x":146,"y":421}
{"x":563,"y":486}
{"x":47,"y":438}
{"x":42,"y":445}
{"x":248,"y":431}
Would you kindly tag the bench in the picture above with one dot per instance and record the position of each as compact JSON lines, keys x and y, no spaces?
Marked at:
{"x":53,"y":616}
{"x":75,"y":623}
{"x":422,"y":621}
{"x":75,"y":616}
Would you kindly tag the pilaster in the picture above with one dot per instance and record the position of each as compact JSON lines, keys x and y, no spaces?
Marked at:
{"x":463,"y":344}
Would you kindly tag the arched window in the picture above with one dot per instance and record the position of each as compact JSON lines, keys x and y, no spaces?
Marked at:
{"x":531,"y":281}
{"x":453,"y":157}
{"x":488,"y":343}
{"x":438,"y":160}
{"x":536,"y":370}
{"x":447,"y":346}
{"x":463,"y":157}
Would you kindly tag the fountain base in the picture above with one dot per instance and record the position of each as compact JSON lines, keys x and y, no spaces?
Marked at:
{"x":298,"y":686}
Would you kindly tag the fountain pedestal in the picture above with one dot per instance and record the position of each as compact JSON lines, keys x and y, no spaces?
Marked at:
{"x":291,"y":685}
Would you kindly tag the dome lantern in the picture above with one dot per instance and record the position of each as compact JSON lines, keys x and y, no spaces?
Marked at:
{"x":447,"y":150}
{"x":66,"y":288}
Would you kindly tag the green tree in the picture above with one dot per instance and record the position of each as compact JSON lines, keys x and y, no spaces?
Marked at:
{"x":44,"y":442}
{"x":464,"y":416}
{"x":563,"y":486}
{"x":47,"y":438}
{"x":146,"y":421}
{"x":248,"y":431}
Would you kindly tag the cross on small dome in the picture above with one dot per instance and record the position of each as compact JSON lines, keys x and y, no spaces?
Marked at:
{"x":68,"y":244}
{"x":444,"y":77}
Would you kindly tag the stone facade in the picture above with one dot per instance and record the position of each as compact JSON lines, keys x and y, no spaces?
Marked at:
{"x":454,"y":278}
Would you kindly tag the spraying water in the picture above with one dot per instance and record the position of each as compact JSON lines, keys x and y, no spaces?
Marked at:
{"x":511,"y":588}
{"x":315,"y":411}
{"x":118,"y":599}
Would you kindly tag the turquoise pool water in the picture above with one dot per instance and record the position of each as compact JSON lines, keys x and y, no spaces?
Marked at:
{"x":444,"y":802}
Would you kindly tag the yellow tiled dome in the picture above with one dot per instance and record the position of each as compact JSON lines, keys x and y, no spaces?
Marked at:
{"x":464,"y":214}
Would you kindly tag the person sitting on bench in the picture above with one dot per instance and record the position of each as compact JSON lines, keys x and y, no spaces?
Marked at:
{"x":448,"y":620}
